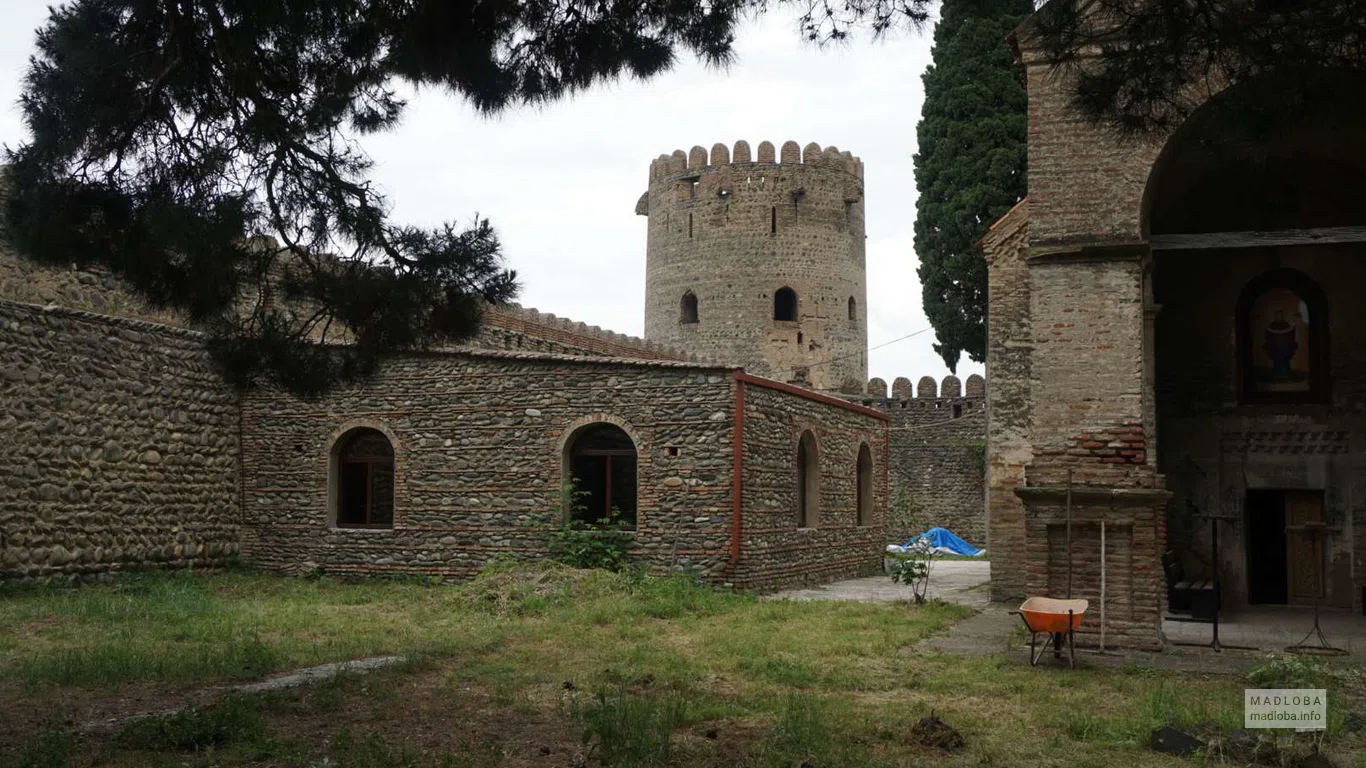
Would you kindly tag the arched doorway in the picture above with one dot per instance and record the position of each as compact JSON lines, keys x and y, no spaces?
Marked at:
{"x":1256,"y":213}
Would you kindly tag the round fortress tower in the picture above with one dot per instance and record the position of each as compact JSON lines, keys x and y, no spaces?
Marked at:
{"x":758,"y":260}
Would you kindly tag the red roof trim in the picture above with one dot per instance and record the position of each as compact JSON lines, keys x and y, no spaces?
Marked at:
{"x":809,"y":395}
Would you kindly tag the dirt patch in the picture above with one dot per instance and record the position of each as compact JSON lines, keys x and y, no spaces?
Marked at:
{"x":935,"y":733}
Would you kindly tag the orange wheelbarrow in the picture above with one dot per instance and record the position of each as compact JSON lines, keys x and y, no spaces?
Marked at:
{"x":1057,"y":621}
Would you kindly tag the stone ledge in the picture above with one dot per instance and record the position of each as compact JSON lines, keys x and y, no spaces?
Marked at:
{"x":1093,"y":495}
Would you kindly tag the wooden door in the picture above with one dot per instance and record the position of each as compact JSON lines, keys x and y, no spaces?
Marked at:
{"x":1304,"y":552}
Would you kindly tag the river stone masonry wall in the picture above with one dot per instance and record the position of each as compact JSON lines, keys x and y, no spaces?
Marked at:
{"x":732,"y":228}
{"x":775,"y":551}
{"x":478,"y":444}
{"x":120,"y":447}
{"x":479,"y":441}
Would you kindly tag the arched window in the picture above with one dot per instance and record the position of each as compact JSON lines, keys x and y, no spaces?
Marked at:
{"x":687,"y":311}
{"x":808,"y":481}
{"x":1282,"y":339}
{"x":601,"y":462}
{"x":785,"y":304}
{"x":853,"y":309}
{"x":363,"y":480}
{"x":865,"y":485}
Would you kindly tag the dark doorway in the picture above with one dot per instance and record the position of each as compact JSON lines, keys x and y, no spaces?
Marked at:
{"x":1267,"y":581}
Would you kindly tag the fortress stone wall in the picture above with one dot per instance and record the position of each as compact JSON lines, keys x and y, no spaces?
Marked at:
{"x":120,"y":446}
{"x":729,"y":228}
{"x":937,"y":440}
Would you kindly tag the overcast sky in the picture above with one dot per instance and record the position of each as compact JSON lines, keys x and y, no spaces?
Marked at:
{"x":560,"y":183}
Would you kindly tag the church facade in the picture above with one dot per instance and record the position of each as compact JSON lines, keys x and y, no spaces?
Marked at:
{"x":1175,"y":355}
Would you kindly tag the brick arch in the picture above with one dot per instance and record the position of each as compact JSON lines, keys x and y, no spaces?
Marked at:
{"x":565,"y":443}
{"x":1303,"y":144}
{"x":334,"y":443}
{"x":806,"y":453}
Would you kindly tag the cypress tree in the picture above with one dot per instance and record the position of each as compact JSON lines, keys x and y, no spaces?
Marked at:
{"x":970,"y":164}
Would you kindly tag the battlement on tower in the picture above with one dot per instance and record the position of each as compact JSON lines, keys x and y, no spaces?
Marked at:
{"x":699,"y":161}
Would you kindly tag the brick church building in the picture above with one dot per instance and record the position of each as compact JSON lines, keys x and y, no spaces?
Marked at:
{"x":1175,"y":345}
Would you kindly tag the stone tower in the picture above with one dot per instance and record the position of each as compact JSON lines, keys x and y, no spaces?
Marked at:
{"x":759,"y":260}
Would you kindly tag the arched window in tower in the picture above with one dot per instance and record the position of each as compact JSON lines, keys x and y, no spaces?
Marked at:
{"x":1282,"y":321}
{"x":363,"y":480}
{"x":808,"y":481}
{"x":600,"y":460}
{"x":864,"y":493}
{"x":853,"y":309}
{"x":687,"y":311}
{"x":785,"y":304}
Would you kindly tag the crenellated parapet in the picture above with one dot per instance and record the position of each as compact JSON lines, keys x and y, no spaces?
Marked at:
{"x":928,"y":390}
{"x":699,"y":161}
{"x":757,"y":255}
{"x":564,"y":332}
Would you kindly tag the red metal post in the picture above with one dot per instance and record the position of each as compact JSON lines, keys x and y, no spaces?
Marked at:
{"x":737,"y":469}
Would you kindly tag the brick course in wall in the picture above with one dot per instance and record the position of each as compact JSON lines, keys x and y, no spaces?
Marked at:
{"x":121,"y":446}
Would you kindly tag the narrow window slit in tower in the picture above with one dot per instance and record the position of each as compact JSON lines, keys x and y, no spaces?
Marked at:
{"x":690,"y":225}
{"x":773,"y":220}
{"x":799,"y":337}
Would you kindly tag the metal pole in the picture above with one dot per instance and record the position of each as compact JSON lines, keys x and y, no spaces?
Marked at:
{"x":1069,"y":534}
{"x":1218,"y":598}
{"x":1102,"y":586}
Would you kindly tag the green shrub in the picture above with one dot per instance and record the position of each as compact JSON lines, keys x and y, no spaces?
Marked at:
{"x":604,"y":545}
{"x":620,"y":729}
{"x":572,"y":540}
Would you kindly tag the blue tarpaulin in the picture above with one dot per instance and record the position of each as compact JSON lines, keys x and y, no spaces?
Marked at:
{"x":944,"y":542}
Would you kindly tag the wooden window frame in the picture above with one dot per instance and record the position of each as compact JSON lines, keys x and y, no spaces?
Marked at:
{"x":608,"y":454}
{"x":370,"y":463}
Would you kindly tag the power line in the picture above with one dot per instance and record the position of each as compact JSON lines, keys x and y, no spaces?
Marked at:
{"x":870,"y":349}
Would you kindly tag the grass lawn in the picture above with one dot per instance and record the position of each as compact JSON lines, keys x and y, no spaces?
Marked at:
{"x":546,"y":666}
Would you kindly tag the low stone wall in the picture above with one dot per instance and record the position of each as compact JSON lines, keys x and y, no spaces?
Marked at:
{"x":478,"y":448}
{"x":120,"y":446}
{"x":775,"y":552}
